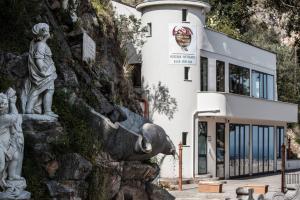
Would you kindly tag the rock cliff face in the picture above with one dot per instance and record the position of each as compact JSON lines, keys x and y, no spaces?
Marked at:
{"x":71,"y":159}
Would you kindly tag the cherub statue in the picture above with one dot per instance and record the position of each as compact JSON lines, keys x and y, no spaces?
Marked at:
{"x":38,"y":91}
{"x":11,"y":148}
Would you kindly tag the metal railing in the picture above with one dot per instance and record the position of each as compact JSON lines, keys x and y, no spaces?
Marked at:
{"x":292,"y":178}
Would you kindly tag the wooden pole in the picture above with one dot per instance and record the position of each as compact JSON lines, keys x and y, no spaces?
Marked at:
{"x":180,"y":168}
{"x":283,"y":168}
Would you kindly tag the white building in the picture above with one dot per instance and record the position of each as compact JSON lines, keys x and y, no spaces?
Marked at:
{"x":228,"y":117}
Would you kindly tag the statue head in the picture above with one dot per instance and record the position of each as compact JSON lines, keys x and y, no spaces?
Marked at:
{"x":41,"y":31}
{"x":3,"y":104}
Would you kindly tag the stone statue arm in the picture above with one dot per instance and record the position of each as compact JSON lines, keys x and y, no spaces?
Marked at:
{"x":7,"y":120}
{"x":11,"y":94}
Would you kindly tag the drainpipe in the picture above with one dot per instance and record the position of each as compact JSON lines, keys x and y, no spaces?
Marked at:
{"x":194,"y":133}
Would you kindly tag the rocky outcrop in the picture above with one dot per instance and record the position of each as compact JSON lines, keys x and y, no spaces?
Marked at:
{"x":132,"y":180}
{"x":65,"y":173}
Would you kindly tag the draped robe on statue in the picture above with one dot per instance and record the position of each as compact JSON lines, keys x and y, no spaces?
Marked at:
{"x":41,"y":78}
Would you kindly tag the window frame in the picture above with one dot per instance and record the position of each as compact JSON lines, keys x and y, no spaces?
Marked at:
{"x":187,"y":73}
{"x":149,"y":29}
{"x":268,"y":134}
{"x":263,"y":92}
{"x":184,"y":14}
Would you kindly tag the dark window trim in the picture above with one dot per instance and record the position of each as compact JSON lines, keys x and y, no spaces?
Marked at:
{"x":264,"y":86}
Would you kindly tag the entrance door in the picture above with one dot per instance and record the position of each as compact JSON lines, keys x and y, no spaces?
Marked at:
{"x":202,"y":148}
{"x":220,"y":149}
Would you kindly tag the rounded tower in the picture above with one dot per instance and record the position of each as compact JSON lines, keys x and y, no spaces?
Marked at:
{"x":171,"y":55}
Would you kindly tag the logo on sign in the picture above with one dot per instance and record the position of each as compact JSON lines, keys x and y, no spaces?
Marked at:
{"x":183,"y":36}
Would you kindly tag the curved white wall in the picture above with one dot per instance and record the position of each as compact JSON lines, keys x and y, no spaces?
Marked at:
{"x":156,"y":67}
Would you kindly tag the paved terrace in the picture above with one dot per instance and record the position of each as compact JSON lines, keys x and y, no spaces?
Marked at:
{"x":190,"y":191}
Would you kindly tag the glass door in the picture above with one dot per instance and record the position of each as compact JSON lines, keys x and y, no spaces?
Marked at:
{"x":220,"y":149}
{"x":239,"y":150}
{"x":202,"y":148}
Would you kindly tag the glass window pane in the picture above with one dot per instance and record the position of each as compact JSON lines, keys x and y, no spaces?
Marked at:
{"x":220,"y":131}
{"x":266,"y":149}
{"x":255,"y":84}
{"x":261,"y":149}
{"x":255,"y":149}
{"x":232,"y":151}
{"x":242,"y":149}
{"x":220,"y":77}
{"x":237,"y":150}
{"x":270,"y":87}
{"x":202,"y":148}
{"x":246,"y":82}
{"x":265,"y":86}
{"x":247,"y":149}
{"x":239,"y":80}
{"x":202,"y":166}
{"x":271,"y":149}
{"x":261,"y":85}
{"x":204,"y":74}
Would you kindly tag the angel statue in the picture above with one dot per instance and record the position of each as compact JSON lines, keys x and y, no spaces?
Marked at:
{"x":11,"y":149}
{"x":38,"y":90}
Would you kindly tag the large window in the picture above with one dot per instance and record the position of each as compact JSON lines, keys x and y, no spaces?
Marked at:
{"x":239,"y":80}
{"x":220,"y":142}
{"x":220,"y":76}
{"x":262,"y":149}
{"x":280,"y":141}
{"x":239,"y":141}
{"x":262,"y":85}
{"x":202,"y":148}
{"x":204,"y":74}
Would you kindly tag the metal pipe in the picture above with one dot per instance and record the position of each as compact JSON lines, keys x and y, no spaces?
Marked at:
{"x":180,"y":168}
{"x":283,"y":168}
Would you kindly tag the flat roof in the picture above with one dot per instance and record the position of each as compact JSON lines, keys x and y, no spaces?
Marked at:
{"x":202,"y":4}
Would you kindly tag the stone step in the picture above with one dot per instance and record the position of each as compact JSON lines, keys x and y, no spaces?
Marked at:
{"x":203,"y":176}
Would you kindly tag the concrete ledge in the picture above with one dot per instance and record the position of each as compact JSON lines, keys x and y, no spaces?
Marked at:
{"x":199,"y":4}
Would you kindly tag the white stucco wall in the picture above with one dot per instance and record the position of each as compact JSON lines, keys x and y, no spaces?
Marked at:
{"x":122,"y":9}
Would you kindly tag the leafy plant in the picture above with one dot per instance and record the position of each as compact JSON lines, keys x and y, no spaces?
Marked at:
{"x":160,"y":101}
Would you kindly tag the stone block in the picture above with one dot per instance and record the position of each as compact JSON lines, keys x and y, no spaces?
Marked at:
{"x":210,"y":187}
{"x":258,"y":188}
